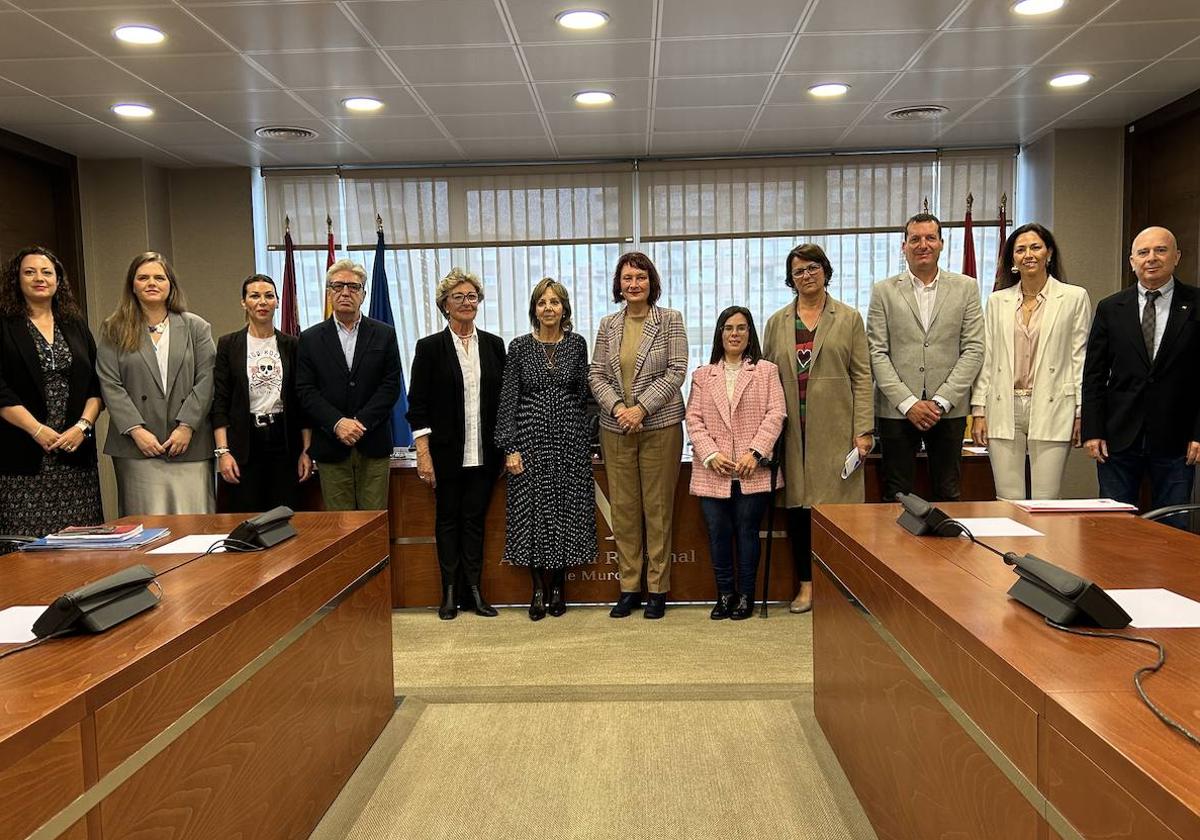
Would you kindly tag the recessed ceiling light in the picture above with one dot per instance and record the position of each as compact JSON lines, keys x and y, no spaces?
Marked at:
{"x":362,"y":103}
{"x":1070,"y":80}
{"x":829,"y":89}
{"x":128,"y":109}
{"x":581,"y":19}
{"x":139,"y":35}
{"x":594,"y":97}
{"x":1037,"y":7}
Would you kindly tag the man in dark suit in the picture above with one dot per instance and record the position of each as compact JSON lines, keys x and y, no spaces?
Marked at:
{"x":452,"y":405}
{"x":1141,"y":406}
{"x":348,"y":380}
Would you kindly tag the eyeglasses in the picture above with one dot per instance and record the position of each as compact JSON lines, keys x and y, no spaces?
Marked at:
{"x":810,"y":271}
{"x":735,"y":328}
{"x":459,"y":297}
{"x":338,"y":288}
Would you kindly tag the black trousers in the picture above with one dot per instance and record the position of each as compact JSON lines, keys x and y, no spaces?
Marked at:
{"x":799,"y":528}
{"x":901,"y":440}
{"x":461,"y":505}
{"x":267,"y":477}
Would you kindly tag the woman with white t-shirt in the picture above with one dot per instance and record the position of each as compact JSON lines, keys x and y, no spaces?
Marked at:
{"x":261,"y":436}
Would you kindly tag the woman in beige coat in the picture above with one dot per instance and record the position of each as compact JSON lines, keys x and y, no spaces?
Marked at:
{"x":820,"y":347}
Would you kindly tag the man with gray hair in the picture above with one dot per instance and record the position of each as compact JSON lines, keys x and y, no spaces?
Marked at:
{"x":348,"y":379}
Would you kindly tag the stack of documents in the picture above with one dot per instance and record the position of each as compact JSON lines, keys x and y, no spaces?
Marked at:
{"x":94,"y":541}
{"x":1070,"y":505}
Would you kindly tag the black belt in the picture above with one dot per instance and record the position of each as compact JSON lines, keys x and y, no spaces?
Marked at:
{"x":262,"y":420}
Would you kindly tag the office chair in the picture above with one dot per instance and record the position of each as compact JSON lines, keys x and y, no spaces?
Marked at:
{"x":1173,"y":510}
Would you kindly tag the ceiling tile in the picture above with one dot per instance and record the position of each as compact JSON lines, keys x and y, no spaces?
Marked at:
{"x":793,"y":140}
{"x":1192,"y":50}
{"x":454,"y":67}
{"x":191,"y":73}
{"x":871,"y":15}
{"x":608,"y":121}
{"x":66,"y":76}
{"x":430,"y":22}
{"x":719,"y":90}
{"x":16,"y":111}
{"x":890,"y":136}
{"x":823,"y":115}
{"x":94,"y":28}
{"x":23,"y":37}
{"x":1010,"y":48}
{"x":1026,"y":110}
{"x":336,"y":69}
{"x":563,"y":62}
{"x":414,"y":151}
{"x":272,"y":27}
{"x":1140,"y":10}
{"x":1120,"y":108}
{"x":629,"y":93}
{"x":985,"y":132}
{"x":695,"y":142}
{"x":366,"y":130}
{"x":233,"y":154}
{"x":534,"y":20}
{"x":950,"y":84}
{"x":397,"y":101}
{"x":1182,"y":76}
{"x":166,"y":134}
{"x":703,"y":119}
{"x":318,"y":154}
{"x":528,"y":148}
{"x":611,"y":145}
{"x":1105,"y":75}
{"x":793,"y":89}
{"x":94,"y":140}
{"x":854,"y":53}
{"x":720,"y":56}
{"x":166,"y":109}
{"x":477,"y":99}
{"x":1001,"y":15}
{"x":1126,"y":41}
{"x":494,"y":125}
{"x":720,"y":17}
{"x":258,"y":107}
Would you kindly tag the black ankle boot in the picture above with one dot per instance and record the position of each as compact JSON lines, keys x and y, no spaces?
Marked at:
{"x":743,"y":609}
{"x":626,"y":604}
{"x":558,"y":602}
{"x":656,"y":605}
{"x":537,"y":604}
{"x":482,"y":607}
{"x":724,"y":604}
{"x":448,"y":609}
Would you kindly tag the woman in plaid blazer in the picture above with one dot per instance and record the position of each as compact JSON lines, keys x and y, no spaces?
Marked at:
{"x":636,"y":373}
{"x":734,"y":414}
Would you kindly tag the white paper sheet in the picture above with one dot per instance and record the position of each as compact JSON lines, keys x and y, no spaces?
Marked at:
{"x":997,"y":526}
{"x":16,"y":624}
{"x":1150,"y":608}
{"x":975,"y":450}
{"x":1063,"y":505}
{"x":191,"y":544}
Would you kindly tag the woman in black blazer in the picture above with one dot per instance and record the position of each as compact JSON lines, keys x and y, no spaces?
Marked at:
{"x":452,"y":404}
{"x":49,"y":401}
{"x":261,"y":437}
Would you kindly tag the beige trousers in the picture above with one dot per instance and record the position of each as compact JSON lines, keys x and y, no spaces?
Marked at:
{"x":643,"y":469}
{"x":1047,"y":460}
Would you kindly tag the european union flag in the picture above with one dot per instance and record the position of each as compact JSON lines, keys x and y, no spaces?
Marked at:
{"x":381,"y":310}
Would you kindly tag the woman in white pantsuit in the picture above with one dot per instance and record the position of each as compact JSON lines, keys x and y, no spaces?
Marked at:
{"x":1027,"y":398}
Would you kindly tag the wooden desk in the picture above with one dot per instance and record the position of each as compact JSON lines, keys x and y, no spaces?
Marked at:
{"x":236,"y":708}
{"x":416,"y":581}
{"x":957,"y":712}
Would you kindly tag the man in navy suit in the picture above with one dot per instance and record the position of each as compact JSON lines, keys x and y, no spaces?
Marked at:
{"x":1141,"y":405}
{"x":348,"y":379}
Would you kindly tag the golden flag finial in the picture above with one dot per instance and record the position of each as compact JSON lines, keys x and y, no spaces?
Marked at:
{"x":287,"y":224}
{"x":1003,"y":202}
{"x":925,"y":205}
{"x":328,"y":223}
{"x":970,"y":201}
{"x":378,"y":223}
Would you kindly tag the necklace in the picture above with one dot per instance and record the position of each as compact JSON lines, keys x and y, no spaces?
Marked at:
{"x":160,"y":327}
{"x":549,"y":354}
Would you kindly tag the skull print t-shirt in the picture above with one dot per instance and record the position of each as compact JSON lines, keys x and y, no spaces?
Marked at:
{"x":265,"y":372}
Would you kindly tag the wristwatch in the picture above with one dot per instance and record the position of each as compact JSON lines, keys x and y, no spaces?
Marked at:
{"x":758,"y":456}
{"x":84,"y":426}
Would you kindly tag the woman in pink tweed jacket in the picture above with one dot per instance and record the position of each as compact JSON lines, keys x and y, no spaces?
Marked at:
{"x":734,"y":414}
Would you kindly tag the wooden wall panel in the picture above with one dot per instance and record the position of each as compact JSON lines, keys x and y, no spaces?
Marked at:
{"x":915,"y":771}
{"x":35,"y":788}
{"x":125,"y":724}
{"x":267,"y":762}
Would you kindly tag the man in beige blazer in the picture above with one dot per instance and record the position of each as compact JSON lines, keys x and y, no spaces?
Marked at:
{"x":925,"y":334}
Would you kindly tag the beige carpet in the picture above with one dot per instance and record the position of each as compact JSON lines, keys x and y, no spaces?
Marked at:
{"x":586,"y":727}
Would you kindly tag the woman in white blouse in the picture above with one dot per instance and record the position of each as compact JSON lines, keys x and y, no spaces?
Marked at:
{"x":1027,"y":398}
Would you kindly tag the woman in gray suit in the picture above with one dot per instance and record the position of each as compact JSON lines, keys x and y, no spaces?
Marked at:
{"x":155,"y":363}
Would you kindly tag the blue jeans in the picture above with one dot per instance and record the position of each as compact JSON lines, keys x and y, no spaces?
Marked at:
{"x":731,"y":521}
{"x":1170,"y":479}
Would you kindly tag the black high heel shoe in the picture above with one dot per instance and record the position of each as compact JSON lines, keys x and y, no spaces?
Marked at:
{"x":448,"y":609}
{"x":558,"y":603}
{"x":537,"y":604}
{"x":744,"y":608}
{"x":482,"y":607}
{"x":724,"y":604}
